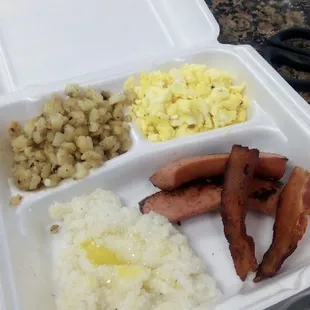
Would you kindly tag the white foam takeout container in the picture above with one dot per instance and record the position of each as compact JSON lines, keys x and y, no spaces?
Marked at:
{"x":178,"y":32}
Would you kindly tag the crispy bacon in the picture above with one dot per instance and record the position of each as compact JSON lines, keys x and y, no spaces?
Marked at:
{"x":290,"y":223}
{"x":239,"y":171}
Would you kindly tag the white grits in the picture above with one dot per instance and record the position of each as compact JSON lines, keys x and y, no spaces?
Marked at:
{"x":167,"y":274}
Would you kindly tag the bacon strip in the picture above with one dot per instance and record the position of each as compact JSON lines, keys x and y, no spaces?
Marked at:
{"x":188,"y":169}
{"x":290,"y":223}
{"x":239,"y":171}
{"x":202,"y":197}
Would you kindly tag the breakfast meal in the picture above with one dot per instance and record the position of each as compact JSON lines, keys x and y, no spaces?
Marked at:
{"x":151,"y":158}
{"x":112,"y":256}
{"x":185,"y":101}
{"x":185,"y":170}
{"x":239,"y":171}
{"x":71,"y":136}
{"x":290,"y":223}
{"x":116,"y":258}
{"x":144,"y":164}
{"x":204,"y":196}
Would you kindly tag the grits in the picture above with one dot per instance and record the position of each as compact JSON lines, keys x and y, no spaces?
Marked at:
{"x":116,"y":258}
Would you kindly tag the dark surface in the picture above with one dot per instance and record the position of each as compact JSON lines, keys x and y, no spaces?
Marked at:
{"x":253,"y":21}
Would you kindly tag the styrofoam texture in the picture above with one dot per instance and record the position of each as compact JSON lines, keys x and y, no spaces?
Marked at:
{"x":46,"y":41}
{"x":26,"y":244}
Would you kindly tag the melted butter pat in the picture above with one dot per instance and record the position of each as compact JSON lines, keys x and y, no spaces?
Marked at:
{"x":100,"y":255}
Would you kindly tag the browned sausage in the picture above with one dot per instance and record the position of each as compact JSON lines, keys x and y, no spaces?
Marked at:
{"x":239,"y":171}
{"x":185,"y":170}
{"x":201,"y":197}
{"x":290,"y":223}
{"x":184,"y":202}
{"x":263,"y":195}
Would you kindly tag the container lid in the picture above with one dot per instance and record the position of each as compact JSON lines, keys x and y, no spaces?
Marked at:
{"x":47,"y":41}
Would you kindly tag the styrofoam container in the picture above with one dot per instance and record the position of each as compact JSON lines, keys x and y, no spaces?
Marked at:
{"x":277,"y":124}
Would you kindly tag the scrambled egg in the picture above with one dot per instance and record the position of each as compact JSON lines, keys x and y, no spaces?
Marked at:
{"x":185,"y":101}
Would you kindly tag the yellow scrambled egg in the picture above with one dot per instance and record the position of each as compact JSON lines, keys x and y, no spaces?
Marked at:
{"x":185,"y":101}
